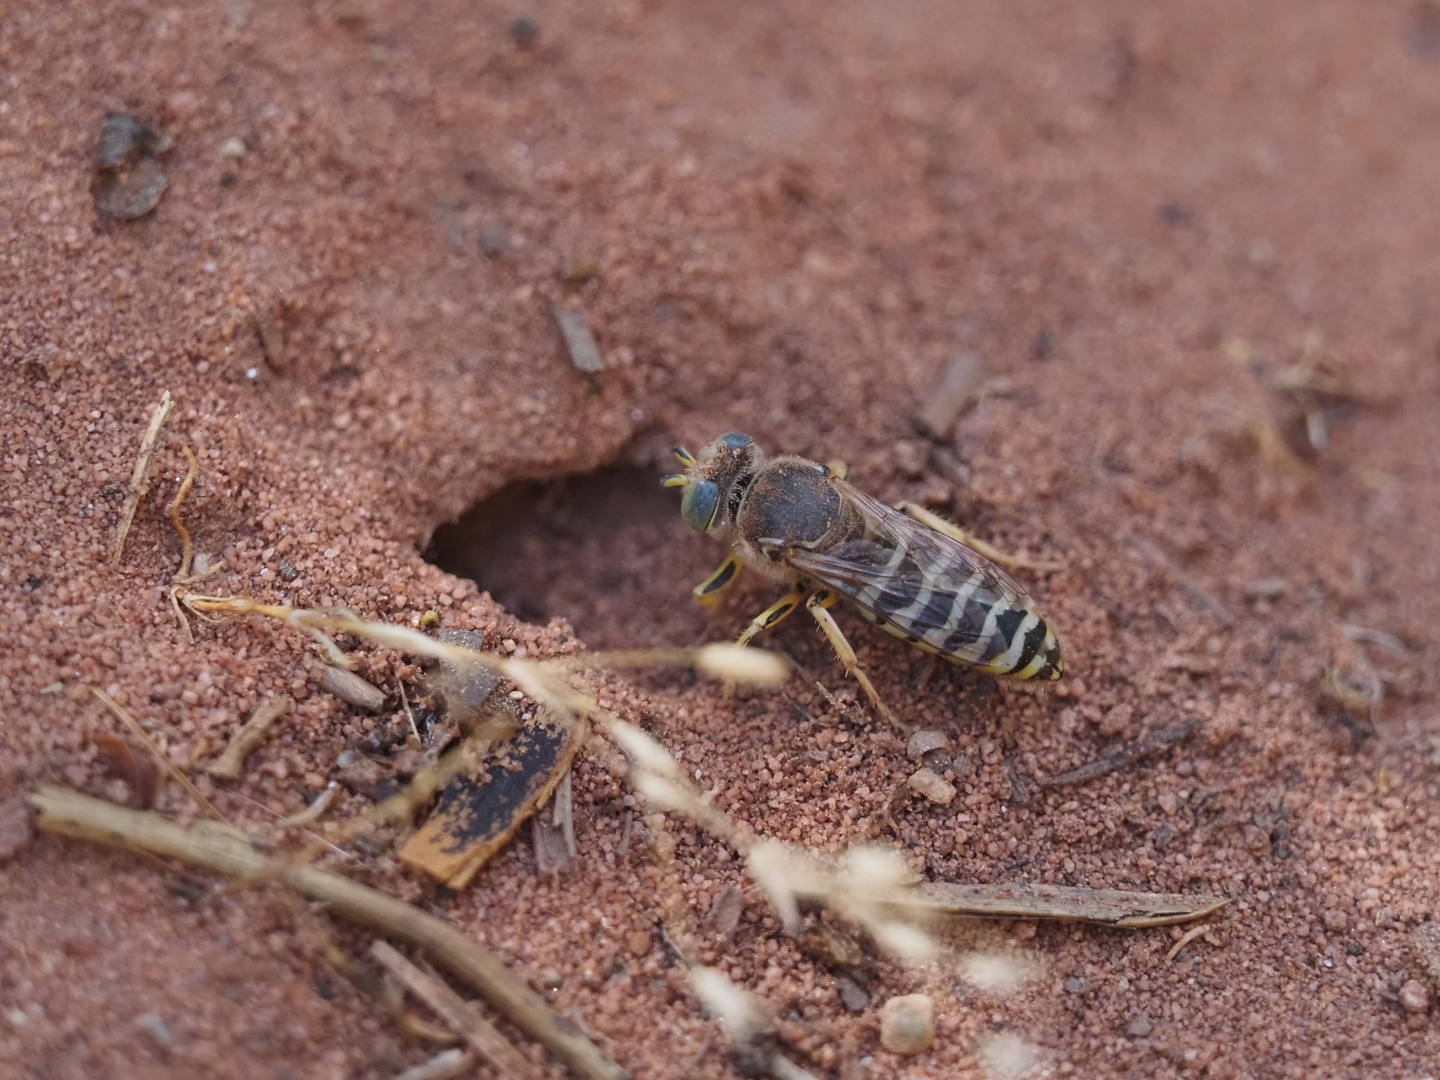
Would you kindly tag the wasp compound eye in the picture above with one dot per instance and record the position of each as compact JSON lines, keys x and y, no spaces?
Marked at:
{"x":702,"y":499}
{"x":733,"y":440}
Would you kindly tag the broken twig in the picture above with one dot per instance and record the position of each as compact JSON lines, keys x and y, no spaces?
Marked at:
{"x":140,"y":475}
{"x":1155,"y":741}
{"x":69,"y":813}
{"x":462,"y":1016}
{"x":228,"y":765}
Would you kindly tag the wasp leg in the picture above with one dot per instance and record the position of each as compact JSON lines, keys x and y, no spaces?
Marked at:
{"x":816,"y":605}
{"x":994,"y":554}
{"x":707,"y":593}
{"x":771,"y":615}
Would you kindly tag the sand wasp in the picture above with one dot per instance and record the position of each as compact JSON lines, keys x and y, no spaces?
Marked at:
{"x":908,"y":571}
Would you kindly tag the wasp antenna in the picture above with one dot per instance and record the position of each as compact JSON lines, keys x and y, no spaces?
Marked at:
{"x":673,"y":480}
{"x":686,"y":458}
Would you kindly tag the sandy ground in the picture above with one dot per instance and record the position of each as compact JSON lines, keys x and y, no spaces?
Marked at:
{"x":1152,"y":224}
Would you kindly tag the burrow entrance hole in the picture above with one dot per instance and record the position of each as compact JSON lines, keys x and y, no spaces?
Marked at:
{"x":606,"y":550}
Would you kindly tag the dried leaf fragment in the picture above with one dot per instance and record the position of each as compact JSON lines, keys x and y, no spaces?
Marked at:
{"x":137,"y":769}
{"x":579,"y":341}
{"x":128,"y":181}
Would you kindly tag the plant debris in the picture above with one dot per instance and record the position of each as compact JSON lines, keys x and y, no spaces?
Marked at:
{"x":956,"y":390}
{"x":137,"y":769}
{"x":579,"y":341}
{"x":128,"y":180}
{"x":1105,"y":907}
{"x":1152,"y":743}
{"x":463,"y":686}
{"x":140,"y":474}
{"x":462,"y":1017}
{"x":446,"y":1065}
{"x":352,"y":689}
{"x":245,"y":741}
{"x":70,"y":813}
{"x":476,"y":818}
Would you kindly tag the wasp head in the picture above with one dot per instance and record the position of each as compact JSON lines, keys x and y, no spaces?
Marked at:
{"x":715,"y":480}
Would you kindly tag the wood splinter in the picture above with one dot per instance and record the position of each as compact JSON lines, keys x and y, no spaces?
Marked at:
{"x":461,"y":1016}
{"x":248,"y":739}
{"x":140,"y":476}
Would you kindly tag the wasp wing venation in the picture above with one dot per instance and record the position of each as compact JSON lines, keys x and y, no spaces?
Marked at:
{"x":920,"y":584}
{"x":906,"y":531}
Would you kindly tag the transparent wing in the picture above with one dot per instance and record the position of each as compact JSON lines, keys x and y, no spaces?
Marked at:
{"x":906,"y":573}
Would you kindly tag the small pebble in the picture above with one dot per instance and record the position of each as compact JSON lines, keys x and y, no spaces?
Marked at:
{"x":1415,"y":996}
{"x":1139,"y":1028}
{"x":233,"y":147}
{"x":1075,"y":985}
{"x":155,"y":1027}
{"x":907,"y":1024}
{"x":922,"y":742}
{"x":348,"y":686}
{"x":523,"y":31}
{"x":932,"y":785}
{"x":852,"y":995}
{"x":638,"y":942}
{"x":494,"y":239}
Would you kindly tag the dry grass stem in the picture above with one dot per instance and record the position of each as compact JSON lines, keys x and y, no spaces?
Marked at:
{"x":70,"y":813}
{"x":187,"y":549}
{"x":462,"y":1016}
{"x":1104,"y":907}
{"x":228,"y":765}
{"x":1189,"y":936}
{"x":1150,"y":744}
{"x":140,"y":475}
{"x":539,"y":679}
{"x":315,"y":811}
{"x":159,"y":755}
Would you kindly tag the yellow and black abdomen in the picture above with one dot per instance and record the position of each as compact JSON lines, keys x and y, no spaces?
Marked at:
{"x":968,"y":618}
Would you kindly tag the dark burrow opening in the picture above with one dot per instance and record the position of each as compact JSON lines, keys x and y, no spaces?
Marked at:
{"x":606,"y":550}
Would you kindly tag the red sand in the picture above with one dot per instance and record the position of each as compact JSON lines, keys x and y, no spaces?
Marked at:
{"x":799,"y":213}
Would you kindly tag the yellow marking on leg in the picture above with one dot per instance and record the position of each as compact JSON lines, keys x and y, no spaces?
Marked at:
{"x":994,"y":554}
{"x":771,"y":615}
{"x":707,"y":593}
{"x":816,"y":605}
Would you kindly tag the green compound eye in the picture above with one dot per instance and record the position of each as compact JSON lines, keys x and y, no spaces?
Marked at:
{"x":698,"y":507}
